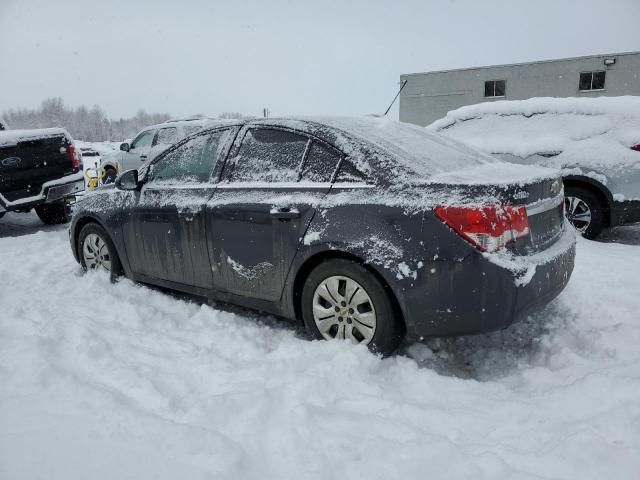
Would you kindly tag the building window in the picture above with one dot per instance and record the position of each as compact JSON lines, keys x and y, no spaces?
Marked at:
{"x":592,"y":81}
{"x":495,"y":88}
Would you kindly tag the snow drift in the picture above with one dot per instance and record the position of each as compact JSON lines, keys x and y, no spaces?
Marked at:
{"x":122,"y":381}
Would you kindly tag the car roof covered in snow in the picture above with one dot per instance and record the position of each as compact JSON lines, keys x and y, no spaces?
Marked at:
{"x":13,"y":137}
{"x":594,"y":132}
{"x":380,"y":146}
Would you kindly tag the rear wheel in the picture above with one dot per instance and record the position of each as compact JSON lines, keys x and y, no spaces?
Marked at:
{"x":584,"y":211}
{"x":96,"y":250}
{"x":343,"y":300}
{"x":53,"y":213}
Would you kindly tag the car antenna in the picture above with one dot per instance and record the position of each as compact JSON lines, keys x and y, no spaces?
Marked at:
{"x":395,"y":98}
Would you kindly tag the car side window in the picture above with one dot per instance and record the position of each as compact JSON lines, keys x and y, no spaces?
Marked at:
{"x":143,"y":140}
{"x":191,"y":129}
{"x":269,"y":155}
{"x":320,"y":163}
{"x":167,"y":136}
{"x":349,"y":173}
{"x":192,"y":162}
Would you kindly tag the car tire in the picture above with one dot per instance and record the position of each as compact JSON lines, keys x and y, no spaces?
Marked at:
{"x":2,"y":214}
{"x":327,"y":289}
{"x":99,"y":251}
{"x":585,"y":211}
{"x":53,"y":213}
{"x":109,"y":176}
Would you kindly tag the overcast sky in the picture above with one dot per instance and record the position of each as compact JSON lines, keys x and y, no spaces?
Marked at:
{"x":294,"y":57}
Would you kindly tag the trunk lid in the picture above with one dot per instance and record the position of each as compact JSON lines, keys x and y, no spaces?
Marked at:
{"x":538,"y":190}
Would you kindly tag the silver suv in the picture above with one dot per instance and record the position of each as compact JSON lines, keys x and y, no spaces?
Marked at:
{"x":595,"y":142}
{"x":148,"y":144}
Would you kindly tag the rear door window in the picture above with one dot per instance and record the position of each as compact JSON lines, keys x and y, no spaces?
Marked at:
{"x":269,"y":155}
{"x":167,"y":136}
{"x":191,"y":129}
{"x":349,"y":173}
{"x":192,"y":162}
{"x":320,"y":163}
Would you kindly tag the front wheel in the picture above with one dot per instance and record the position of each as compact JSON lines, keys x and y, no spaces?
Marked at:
{"x":96,"y":250}
{"x":343,"y":300}
{"x":53,"y":213}
{"x":584,"y":211}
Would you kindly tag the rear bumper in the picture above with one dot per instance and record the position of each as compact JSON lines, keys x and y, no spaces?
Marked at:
{"x":482,"y":293}
{"x":627,"y":211}
{"x":52,"y":191}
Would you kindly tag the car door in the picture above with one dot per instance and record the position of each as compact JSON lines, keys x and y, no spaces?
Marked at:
{"x":138,"y":151}
{"x":165,"y":137}
{"x":165,"y":232}
{"x":260,"y":211}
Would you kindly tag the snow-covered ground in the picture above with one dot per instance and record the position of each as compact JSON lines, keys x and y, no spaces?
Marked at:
{"x":121,"y":381}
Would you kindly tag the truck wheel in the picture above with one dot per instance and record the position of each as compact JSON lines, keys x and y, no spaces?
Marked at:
{"x":53,"y":213}
{"x":341,"y":300}
{"x":584,"y":211}
{"x":97,"y":252}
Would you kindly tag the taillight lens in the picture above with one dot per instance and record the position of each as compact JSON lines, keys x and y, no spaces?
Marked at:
{"x":75,"y":156}
{"x":486,"y":227}
{"x":636,"y":148}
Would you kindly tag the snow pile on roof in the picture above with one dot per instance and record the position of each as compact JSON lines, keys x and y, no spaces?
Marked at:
{"x":575,"y":131}
{"x":13,"y":137}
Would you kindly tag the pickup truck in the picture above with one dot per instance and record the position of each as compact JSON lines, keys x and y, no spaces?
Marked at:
{"x":149,"y":143}
{"x":39,"y":169}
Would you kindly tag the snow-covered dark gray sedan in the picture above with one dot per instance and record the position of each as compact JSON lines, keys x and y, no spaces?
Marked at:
{"x":363,"y":229}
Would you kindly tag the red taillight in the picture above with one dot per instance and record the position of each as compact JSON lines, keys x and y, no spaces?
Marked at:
{"x":636,"y":148}
{"x":486,"y":227}
{"x":74,"y":155}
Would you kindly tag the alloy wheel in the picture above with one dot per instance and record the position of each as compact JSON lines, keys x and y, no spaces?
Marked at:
{"x":96,"y":253}
{"x":578,"y":213}
{"x":343,"y":309}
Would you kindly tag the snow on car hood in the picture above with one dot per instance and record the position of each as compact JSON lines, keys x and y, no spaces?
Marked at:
{"x":589,"y":132}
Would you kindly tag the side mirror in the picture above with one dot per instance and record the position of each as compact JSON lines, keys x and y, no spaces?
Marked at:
{"x":125,"y":147}
{"x":128,"y":181}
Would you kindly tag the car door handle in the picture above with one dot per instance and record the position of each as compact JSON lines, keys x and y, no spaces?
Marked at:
{"x":143,"y":157}
{"x":285,"y":213}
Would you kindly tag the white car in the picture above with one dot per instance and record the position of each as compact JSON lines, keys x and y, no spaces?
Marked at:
{"x":148,"y":144}
{"x":595,"y":142}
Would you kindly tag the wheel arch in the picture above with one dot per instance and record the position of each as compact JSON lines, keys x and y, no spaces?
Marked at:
{"x":596,"y":187}
{"x":324,"y":255}
{"x":77,"y":228}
